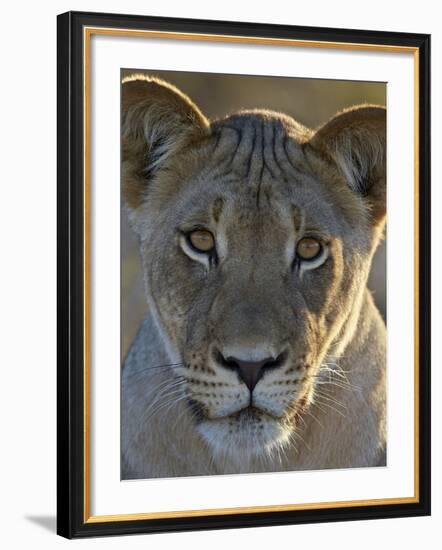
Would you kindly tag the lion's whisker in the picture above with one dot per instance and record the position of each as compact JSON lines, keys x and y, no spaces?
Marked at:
{"x":149,"y":369}
{"x":320,"y":403}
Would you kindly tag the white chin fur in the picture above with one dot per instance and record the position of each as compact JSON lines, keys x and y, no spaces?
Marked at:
{"x":242,"y":444}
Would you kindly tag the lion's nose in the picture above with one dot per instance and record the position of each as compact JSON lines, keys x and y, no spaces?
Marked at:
{"x":250,"y":372}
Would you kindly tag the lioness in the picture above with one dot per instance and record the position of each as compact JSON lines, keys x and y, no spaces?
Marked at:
{"x":262,"y":349}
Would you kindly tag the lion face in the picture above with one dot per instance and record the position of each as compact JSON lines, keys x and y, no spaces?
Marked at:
{"x":250,"y":237}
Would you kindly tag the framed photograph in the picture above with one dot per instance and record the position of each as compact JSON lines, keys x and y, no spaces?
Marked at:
{"x":243,"y":274}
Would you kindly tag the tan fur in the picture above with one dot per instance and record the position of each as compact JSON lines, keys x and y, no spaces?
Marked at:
{"x":259,"y":181}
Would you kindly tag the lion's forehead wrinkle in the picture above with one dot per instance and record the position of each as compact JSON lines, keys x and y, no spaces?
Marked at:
{"x":258,"y":146}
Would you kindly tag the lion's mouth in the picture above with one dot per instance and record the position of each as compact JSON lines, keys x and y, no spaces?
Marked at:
{"x":246,"y":415}
{"x":251,"y":414}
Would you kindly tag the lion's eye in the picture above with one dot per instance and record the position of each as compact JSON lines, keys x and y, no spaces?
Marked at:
{"x":202,"y":240}
{"x":308,"y":248}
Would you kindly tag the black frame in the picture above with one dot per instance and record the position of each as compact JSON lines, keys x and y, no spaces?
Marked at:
{"x":70,"y":397}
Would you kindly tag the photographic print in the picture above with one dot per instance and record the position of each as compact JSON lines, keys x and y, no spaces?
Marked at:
{"x":243,"y":274}
{"x":253,"y":274}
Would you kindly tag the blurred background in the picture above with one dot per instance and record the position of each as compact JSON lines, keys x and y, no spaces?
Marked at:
{"x":311,"y":102}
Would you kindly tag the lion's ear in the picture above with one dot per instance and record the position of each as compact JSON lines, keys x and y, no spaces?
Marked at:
{"x":356,"y":141}
{"x":158,"y":121}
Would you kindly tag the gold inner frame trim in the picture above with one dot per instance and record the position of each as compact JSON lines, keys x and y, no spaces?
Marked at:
{"x":87,"y":34}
